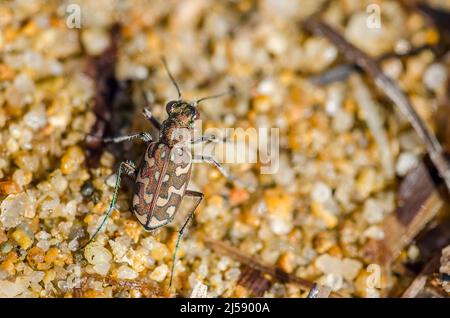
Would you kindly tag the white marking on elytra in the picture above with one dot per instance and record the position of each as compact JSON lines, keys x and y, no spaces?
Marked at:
{"x":161,"y":202}
{"x":135,"y":199}
{"x":154,"y":223}
{"x":148,"y":197}
{"x":170,"y":210}
{"x":157,"y":173}
{"x":151,"y":162}
{"x":182,"y":170}
{"x":163,"y":154}
{"x":166,"y":178}
{"x":145,"y":182}
{"x":142,"y":218}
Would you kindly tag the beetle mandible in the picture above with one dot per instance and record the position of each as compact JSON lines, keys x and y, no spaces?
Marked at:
{"x":161,"y":180}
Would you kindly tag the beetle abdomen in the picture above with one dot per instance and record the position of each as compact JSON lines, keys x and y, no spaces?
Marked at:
{"x":160,"y":184}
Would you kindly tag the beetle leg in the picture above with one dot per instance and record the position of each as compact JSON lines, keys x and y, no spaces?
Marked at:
{"x":222,"y":170}
{"x":130,"y":168}
{"x":205,"y":138}
{"x":146,"y":137}
{"x":127,"y":167}
{"x":148,"y":114}
{"x":210,"y":138}
{"x":199,"y":196}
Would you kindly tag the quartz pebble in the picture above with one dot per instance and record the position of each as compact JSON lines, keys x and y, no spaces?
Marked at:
{"x":21,"y":177}
{"x":413,"y":252}
{"x":12,"y":289}
{"x":8,"y":187}
{"x":323,"y":212}
{"x":335,"y":282}
{"x":23,"y":238}
{"x":20,"y":93}
{"x":373,"y":211}
{"x":342,"y":121}
{"x":346,"y":268}
{"x":111,"y":180}
{"x":375,"y":39}
{"x":44,"y":245}
{"x":406,"y":161}
{"x":95,"y":40}
{"x":98,"y":256}
{"x":374,"y":232}
{"x":36,"y":118}
{"x":160,"y":273}
{"x":125,"y":272}
{"x":323,"y":52}
{"x":321,"y":192}
{"x":13,"y":208}
{"x":199,"y":291}
{"x":72,"y":160}
{"x":435,"y":76}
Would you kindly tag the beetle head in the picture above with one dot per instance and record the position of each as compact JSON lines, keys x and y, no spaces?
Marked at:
{"x":183,"y":112}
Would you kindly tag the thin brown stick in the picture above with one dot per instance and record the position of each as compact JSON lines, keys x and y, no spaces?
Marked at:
{"x":341,"y":72}
{"x":319,"y":291}
{"x":101,"y":70}
{"x":420,"y":281}
{"x":153,"y":289}
{"x":390,"y":88}
{"x":256,"y":264}
{"x":254,"y":281}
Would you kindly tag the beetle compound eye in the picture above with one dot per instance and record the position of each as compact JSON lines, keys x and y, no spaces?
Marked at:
{"x":191,"y":112}
{"x":196,"y":114}
{"x":170,"y":106}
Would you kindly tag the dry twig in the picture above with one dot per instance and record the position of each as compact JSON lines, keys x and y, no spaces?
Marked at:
{"x":148,"y":288}
{"x":255,"y":264}
{"x":420,"y":281}
{"x":341,"y":72}
{"x":390,"y":88}
{"x":102,"y":70}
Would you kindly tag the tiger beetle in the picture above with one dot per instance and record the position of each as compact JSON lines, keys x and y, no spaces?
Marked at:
{"x":160,"y":181}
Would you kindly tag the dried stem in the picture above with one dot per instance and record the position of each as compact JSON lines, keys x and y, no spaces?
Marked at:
{"x":341,"y":72}
{"x":150,"y":286}
{"x":418,"y":284}
{"x":101,"y":69}
{"x":255,"y":264}
{"x":319,"y":291}
{"x":390,"y":88}
{"x":254,"y":280}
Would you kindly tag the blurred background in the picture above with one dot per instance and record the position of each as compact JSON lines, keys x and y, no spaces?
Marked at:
{"x":354,"y":207}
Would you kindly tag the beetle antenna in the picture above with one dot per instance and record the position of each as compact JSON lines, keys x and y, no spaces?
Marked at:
{"x":228,"y":92}
{"x":174,"y":82}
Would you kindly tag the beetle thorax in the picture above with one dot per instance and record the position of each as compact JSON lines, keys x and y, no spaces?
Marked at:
{"x":180,"y":124}
{"x":172,"y":133}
